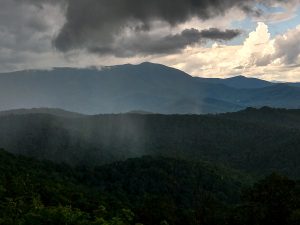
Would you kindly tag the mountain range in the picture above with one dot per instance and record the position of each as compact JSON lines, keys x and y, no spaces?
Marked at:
{"x":145,"y":87}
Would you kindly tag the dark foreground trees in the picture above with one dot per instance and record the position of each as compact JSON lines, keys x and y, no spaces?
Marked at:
{"x":148,"y":190}
{"x":274,"y":200}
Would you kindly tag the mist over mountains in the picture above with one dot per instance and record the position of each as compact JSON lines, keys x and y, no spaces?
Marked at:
{"x":145,"y":87}
{"x":254,"y":140}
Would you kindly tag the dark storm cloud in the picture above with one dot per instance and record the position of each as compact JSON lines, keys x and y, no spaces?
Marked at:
{"x":216,"y":34}
{"x":125,"y":27}
{"x":147,"y":44}
{"x":97,"y":25}
{"x":94,"y":24}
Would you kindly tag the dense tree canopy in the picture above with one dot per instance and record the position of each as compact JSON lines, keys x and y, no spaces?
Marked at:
{"x":176,"y":169}
{"x":147,"y":190}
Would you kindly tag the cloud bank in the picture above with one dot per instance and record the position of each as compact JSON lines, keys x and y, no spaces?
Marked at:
{"x":96,"y":25}
{"x":179,"y":33}
{"x":145,"y":44}
{"x":258,"y":56}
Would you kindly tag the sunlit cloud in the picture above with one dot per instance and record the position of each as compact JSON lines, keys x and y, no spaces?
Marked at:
{"x":259,"y":56}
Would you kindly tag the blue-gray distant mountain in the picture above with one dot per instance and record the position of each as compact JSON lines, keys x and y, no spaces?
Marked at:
{"x":295,"y":84}
{"x":145,"y":87}
{"x":240,"y":82}
{"x":50,"y":111}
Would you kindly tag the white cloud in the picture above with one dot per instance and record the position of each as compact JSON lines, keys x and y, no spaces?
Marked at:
{"x":256,"y":46}
{"x":288,"y":11}
{"x":288,"y":47}
{"x":259,"y":56}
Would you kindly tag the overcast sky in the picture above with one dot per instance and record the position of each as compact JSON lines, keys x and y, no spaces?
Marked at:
{"x":220,"y":38}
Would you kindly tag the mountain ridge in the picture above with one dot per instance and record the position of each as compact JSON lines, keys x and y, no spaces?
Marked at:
{"x":147,"y":87}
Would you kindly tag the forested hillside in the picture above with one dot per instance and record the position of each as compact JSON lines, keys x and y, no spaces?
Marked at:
{"x":148,"y":190}
{"x":289,"y":118}
{"x":257,"y":141}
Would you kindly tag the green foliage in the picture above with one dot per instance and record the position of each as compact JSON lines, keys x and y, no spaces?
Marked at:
{"x":273,"y":200}
{"x":147,"y":190}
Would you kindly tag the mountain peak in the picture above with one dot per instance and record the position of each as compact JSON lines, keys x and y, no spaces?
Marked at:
{"x":242,"y":81}
{"x":238,"y":77}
